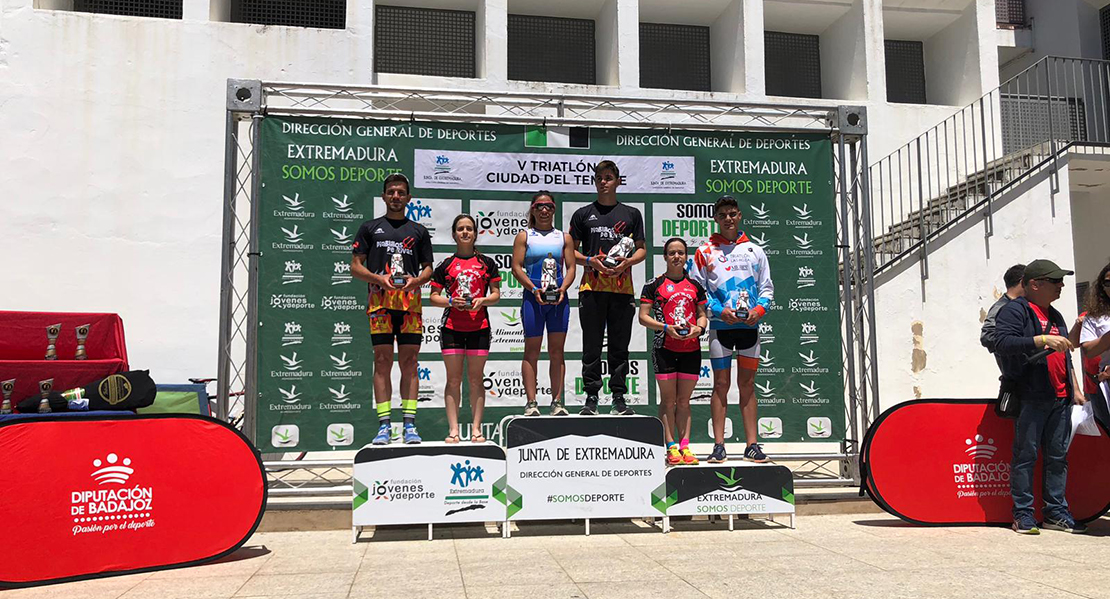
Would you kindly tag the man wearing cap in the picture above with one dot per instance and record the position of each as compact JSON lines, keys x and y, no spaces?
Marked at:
{"x":1046,"y":387}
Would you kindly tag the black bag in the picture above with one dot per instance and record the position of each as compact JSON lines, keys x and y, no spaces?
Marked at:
{"x":1008,"y":404}
{"x":129,"y":390}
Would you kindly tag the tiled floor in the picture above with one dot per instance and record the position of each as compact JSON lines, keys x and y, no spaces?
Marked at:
{"x":842,"y":556}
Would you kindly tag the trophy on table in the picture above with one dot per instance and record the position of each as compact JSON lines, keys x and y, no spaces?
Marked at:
{"x":741,"y":309}
{"x":397,"y":270}
{"x":462,"y":287}
{"x":681,"y":322}
{"x":7,"y":387}
{"x":622,"y":249}
{"x":549,"y":278}
{"x":52,"y":333}
{"x":45,"y":387}
{"x":82,"y":335}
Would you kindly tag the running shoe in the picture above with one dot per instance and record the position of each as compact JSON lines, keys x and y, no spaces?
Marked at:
{"x":411,"y":436}
{"x":1026,"y":525}
{"x":382,"y":438}
{"x":531,"y":409}
{"x":1065,"y":524}
{"x":717,"y":456}
{"x":620,"y":407}
{"x":688,"y":457}
{"x":558,"y":409}
{"x":674,"y":457}
{"x":590,"y":409}
{"x":755,"y":454}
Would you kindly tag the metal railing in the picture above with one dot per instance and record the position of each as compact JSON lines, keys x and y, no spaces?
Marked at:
{"x":960,"y":166}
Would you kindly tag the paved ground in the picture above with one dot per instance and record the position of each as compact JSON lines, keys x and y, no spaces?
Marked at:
{"x":841,"y":556}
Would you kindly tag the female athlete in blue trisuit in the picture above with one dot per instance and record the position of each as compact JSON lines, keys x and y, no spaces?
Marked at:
{"x":532,"y":246}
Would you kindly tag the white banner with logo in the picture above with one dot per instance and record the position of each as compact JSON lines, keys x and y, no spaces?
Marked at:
{"x":596,"y":467}
{"x":456,"y":169}
{"x":431,"y":483}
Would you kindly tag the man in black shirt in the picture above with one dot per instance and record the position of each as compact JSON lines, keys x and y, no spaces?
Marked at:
{"x":394,"y":311}
{"x":605,"y":295}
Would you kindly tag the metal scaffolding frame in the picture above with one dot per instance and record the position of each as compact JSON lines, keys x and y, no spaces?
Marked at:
{"x":249,"y":101}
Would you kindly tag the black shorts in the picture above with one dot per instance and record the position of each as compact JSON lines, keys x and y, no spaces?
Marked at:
{"x":470,"y":343}
{"x":669,"y":364}
{"x":737,"y":339}
{"x":387,"y":326}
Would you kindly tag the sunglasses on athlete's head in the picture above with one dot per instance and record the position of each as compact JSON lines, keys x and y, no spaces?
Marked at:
{"x":548,"y":206}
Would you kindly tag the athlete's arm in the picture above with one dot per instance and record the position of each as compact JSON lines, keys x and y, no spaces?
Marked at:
{"x":520,"y":248}
{"x":703,"y":321}
{"x":360,"y":272}
{"x":648,"y":321}
{"x":570,"y":265}
{"x":493,"y":288}
{"x":418,"y":281}
{"x":766,"y":293}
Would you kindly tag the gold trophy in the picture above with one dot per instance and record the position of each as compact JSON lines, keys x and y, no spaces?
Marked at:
{"x":45,"y":387}
{"x":7,"y":387}
{"x":52,"y":333}
{"x":82,"y":335}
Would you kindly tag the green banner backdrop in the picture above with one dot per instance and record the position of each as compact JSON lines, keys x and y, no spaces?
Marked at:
{"x":321,"y":178}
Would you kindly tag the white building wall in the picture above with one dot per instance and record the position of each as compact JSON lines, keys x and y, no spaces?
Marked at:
{"x":112,"y":136}
{"x":928,"y":331}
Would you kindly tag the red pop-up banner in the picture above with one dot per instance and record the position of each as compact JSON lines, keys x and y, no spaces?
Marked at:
{"x":95,"y":496}
{"x":947,"y":462}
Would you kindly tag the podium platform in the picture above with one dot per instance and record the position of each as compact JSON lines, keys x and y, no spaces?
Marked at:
{"x":729,"y":489}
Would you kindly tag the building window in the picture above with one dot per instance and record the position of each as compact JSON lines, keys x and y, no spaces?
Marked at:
{"x":792,"y":64}
{"x":324,"y":14}
{"x":552,"y":49}
{"x":905,"y":72}
{"x":1104,"y":23}
{"x":1010,"y":13}
{"x":674,"y":56}
{"x":424,"y":41}
{"x":160,"y":9}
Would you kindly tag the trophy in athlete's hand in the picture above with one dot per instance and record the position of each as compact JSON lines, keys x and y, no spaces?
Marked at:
{"x":549,"y":279}
{"x":82,"y":336}
{"x":52,"y":333}
{"x":397,"y":270}
{"x":7,"y":387}
{"x":741,"y":309}
{"x":462,"y":286}
{"x":45,"y":387}
{"x":622,"y":249}
{"x":681,"y":321}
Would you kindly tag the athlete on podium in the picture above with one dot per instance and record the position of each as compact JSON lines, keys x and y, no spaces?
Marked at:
{"x":543,"y":263}
{"x":737,"y":281}
{"x":465,"y":285}
{"x":673,"y":305}
{"x":394,"y":256}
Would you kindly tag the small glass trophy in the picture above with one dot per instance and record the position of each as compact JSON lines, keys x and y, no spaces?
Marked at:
{"x":462,"y":287}
{"x":549,"y":278}
{"x":397,"y":270}
{"x":623,"y":249}
{"x":52,"y":333}
{"x":44,"y":389}
{"x":82,"y":335}
{"x":7,"y":387}
{"x":681,"y":321}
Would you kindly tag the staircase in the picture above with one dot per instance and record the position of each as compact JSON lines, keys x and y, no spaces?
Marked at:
{"x":959,"y":167}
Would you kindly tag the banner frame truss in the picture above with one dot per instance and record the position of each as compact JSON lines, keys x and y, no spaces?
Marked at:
{"x":249,"y":101}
